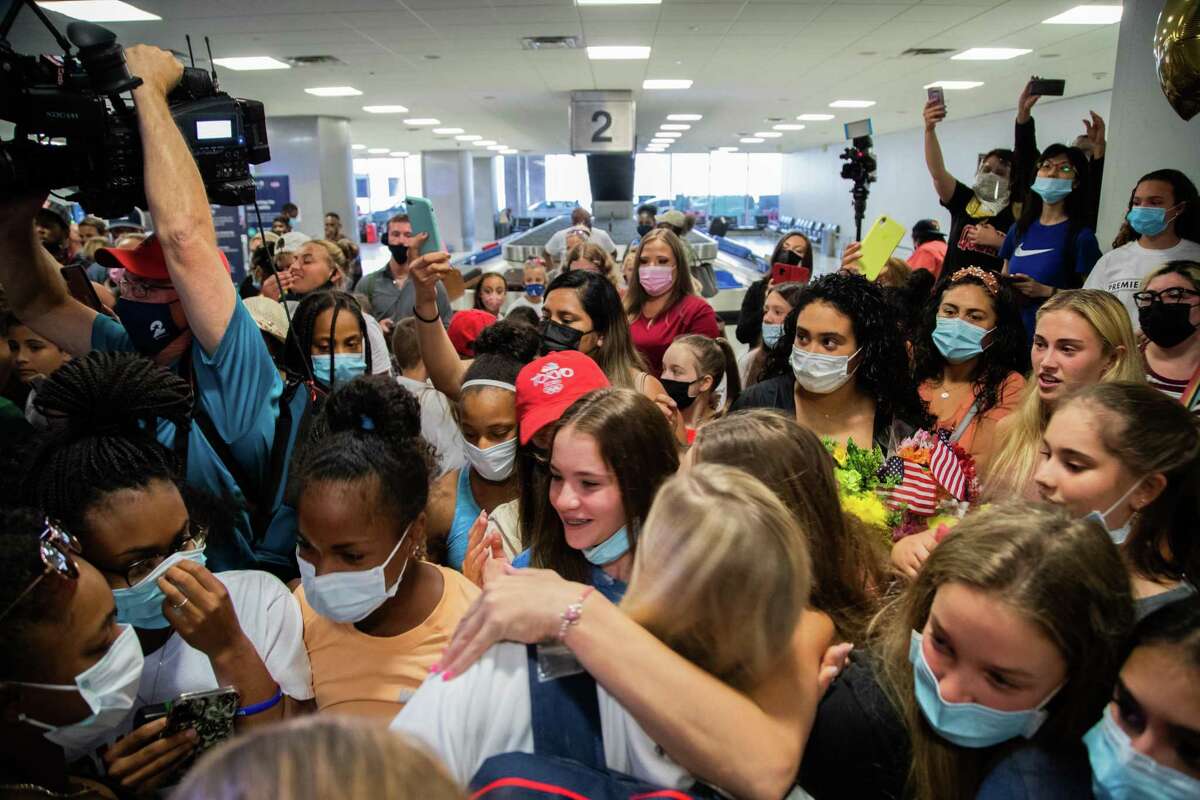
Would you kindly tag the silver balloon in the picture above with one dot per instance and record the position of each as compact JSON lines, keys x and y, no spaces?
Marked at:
{"x":1177,"y":54}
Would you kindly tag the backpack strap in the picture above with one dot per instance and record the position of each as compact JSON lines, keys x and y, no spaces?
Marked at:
{"x":566,"y":716}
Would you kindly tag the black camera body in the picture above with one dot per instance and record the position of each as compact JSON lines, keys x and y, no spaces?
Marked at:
{"x":860,"y":163}
{"x":73,"y":128}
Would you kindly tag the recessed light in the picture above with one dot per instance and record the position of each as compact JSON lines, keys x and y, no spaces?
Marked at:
{"x":685,"y":117}
{"x":399,"y":154}
{"x":423,"y":121}
{"x":378,"y":151}
{"x":727,"y":149}
{"x":447,"y":131}
{"x":245,"y":63}
{"x":497,"y":147}
{"x":666,"y":83}
{"x":384,"y":109}
{"x":989,"y":54}
{"x":358,"y":147}
{"x":484,"y":142}
{"x":751,"y":140}
{"x":814,"y":117}
{"x":509,"y":152}
{"x":662,"y":141}
{"x":669,"y":134}
{"x":666,"y":126}
{"x":768,"y":134}
{"x":333,"y":91}
{"x":468,"y":137}
{"x":788,"y":126}
{"x":852,"y":104}
{"x":954,"y":85}
{"x":100,"y":11}
{"x":1086,"y":15}
{"x":618,"y":53}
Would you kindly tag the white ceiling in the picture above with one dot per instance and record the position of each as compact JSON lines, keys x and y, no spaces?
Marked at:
{"x":750,"y":60}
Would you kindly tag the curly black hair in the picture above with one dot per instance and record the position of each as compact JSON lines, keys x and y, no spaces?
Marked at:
{"x":20,"y":566}
{"x":510,"y":338}
{"x":369,"y":428}
{"x":297,"y":355}
{"x":883,"y":371}
{"x":1008,"y":352}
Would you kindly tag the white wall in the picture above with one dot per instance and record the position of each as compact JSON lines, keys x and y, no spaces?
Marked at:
{"x":314,"y":152}
{"x":813,"y":187}
{"x":1145,"y":133}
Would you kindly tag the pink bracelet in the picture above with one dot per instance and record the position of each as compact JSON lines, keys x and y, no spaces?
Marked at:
{"x":572,"y":614}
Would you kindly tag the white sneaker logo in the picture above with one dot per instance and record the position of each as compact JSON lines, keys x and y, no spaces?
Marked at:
{"x":1021,"y":252}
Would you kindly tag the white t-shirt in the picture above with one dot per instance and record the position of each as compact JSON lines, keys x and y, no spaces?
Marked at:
{"x":486,"y":711}
{"x":1121,"y":271}
{"x":270,"y":618}
{"x":523,"y":300}
{"x":557,"y":246}
{"x":438,"y":426}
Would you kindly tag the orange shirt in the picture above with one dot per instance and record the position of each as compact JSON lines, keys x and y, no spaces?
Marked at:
{"x":373,"y":676}
{"x":979,"y":437}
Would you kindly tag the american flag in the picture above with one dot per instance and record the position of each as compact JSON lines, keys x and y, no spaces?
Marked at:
{"x":945,"y":467}
{"x":917,"y":489}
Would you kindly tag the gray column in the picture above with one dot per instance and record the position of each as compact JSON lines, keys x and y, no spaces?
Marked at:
{"x":314,"y":152}
{"x":449,"y":183}
{"x":485,"y":200}
{"x":1144,"y":132}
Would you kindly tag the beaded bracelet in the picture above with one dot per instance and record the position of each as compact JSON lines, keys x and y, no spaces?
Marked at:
{"x":572,"y":614}
{"x":258,"y":708}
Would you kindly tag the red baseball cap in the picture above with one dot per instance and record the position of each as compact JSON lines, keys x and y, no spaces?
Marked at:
{"x":465,"y":327}
{"x":145,"y":261}
{"x":547,"y":386}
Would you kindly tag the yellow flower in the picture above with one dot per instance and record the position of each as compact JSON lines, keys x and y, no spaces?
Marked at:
{"x":839,"y":454}
{"x":867,"y":507}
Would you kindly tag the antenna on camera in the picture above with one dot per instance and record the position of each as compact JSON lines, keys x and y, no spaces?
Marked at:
{"x":191,"y":55}
{"x":212,"y":65}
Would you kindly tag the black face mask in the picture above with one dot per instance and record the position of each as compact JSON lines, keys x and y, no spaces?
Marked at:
{"x":791,"y":258}
{"x":678,"y":391}
{"x":399,"y":252}
{"x":556,"y":337}
{"x":644,"y":229}
{"x":1166,"y":324}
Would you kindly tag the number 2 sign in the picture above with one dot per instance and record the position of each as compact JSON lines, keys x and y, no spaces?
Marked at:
{"x":602,"y":122}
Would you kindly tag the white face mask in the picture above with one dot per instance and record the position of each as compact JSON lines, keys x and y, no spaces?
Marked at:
{"x":1119,"y":535}
{"x":496,"y":462}
{"x":109,"y":687}
{"x":349,"y":596}
{"x":819,"y":373}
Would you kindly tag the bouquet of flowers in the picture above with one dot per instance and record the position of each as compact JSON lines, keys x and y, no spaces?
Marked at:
{"x":933,"y":482}
{"x":861,"y":488}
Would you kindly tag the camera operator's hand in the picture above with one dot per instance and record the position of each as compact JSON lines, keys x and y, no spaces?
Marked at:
{"x":935,"y":112}
{"x":157,"y":68}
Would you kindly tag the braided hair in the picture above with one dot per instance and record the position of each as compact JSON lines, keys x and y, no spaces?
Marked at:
{"x":103,"y":410}
{"x":20,"y":566}
{"x":297,"y":357}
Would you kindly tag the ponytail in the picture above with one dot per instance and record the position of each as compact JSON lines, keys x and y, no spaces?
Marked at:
{"x":715,"y":357}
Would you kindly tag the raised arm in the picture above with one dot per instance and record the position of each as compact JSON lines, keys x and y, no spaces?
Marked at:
{"x":445,"y":368}
{"x":33,"y":282}
{"x":943,"y":181}
{"x":178,"y":202}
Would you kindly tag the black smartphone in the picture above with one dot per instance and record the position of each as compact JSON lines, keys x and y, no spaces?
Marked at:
{"x":1049,"y":87}
{"x":148,"y":714}
{"x":80,"y":287}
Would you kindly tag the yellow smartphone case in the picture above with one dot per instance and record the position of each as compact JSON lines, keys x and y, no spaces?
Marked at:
{"x":879,"y":244}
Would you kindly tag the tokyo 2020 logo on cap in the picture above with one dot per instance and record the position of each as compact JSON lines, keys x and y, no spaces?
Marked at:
{"x":551,"y":377}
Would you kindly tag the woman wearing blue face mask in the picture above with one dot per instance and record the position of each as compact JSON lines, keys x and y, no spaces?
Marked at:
{"x":1162,"y":223}
{"x":780,"y":301}
{"x":1050,"y":247}
{"x":970,"y":358}
{"x":376,"y":614}
{"x":328,"y":341}
{"x":107,"y":480}
{"x":1130,"y":456}
{"x":980,"y":679}
{"x":1144,"y":746}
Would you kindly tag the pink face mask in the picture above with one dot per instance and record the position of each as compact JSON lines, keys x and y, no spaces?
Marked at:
{"x":656,"y":280}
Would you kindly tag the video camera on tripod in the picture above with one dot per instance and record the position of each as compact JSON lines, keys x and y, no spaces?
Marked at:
{"x":74,"y":129}
{"x":860,"y":167}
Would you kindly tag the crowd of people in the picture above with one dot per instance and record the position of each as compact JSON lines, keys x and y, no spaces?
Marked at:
{"x":320,"y":535}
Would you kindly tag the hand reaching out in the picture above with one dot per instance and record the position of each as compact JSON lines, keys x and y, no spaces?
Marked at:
{"x":934,"y":113}
{"x":1026,"y":102}
{"x":1094,"y":130}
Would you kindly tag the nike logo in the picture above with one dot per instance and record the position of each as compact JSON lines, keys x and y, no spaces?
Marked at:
{"x":1021,"y":251}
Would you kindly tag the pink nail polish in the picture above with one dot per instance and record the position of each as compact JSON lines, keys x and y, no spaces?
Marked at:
{"x":434,"y":669}
{"x":448,"y":674}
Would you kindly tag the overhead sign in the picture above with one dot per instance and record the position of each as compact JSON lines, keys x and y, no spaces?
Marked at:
{"x":602,"y":121}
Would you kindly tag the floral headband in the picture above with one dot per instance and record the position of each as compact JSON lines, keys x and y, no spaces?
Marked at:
{"x":987,"y":278}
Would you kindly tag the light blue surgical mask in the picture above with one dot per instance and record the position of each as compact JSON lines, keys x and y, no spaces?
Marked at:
{"x":771,"y":332}
{"x":1053,"y":190}
{"x":958,"y":340}
{"x":1147,"y":220}
{"x":346,"y":367}
{"x":609,"y":550}
{"x":968,"y":724}
{"x":349,"y":596}
{"x":1119,"y":535}
{"x":1121,"y":773}
{"x":141,"y":605}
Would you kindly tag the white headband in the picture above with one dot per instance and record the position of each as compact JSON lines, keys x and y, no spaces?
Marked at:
{"x":486,"y":382}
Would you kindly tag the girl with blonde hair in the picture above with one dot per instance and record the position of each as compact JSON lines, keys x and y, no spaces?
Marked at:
{"x":591,"y":257}
{"x":700,"y":376}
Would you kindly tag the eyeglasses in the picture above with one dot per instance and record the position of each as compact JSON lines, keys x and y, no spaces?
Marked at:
{"x":55,"y":547}
{"x":191,"y":539}
{"x":1065,"y":169}
{"x":1175,"y":294}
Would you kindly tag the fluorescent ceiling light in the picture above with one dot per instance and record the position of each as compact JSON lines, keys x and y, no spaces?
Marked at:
{"x":814,"y":117}
{"x":241,"y":63}
{"x":618,"y":53}
{"x":484,"y":142}
{"x":788,"y":126}
{"x":618,"y":2}
{"x":662,"y":141}
{"x":1086,"y":15}
{"x":669,"y":134}
{"x":989,"y":54}
{"x":509,"y":152}
{"x":384,"y":109}
{"x":768,"y":134}
{"x":666,"y":83}
{"x":468,"y":137}
{"x":954,"y":85}
{"x":727,"y":149}
{"x":852,"y":104}
{"x":399,"y":154}
{"x":497,"y":147}
{"x":333,"y":91}
{"x":358,"y":147}
{"x":448,"y":131}
{"x":751,"y":140}
{"x":378,"y":151}
{"x":666,"y":126}
{"x":685,"y":117}
{"x":101,"y":11}
{"x":422,"y":121}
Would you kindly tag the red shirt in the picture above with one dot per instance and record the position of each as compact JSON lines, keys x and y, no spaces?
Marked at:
{"x":692,"y":314}
{"x":930,"y":256}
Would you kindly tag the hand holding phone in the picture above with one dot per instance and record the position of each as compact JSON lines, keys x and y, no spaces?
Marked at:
{"x":149,"y":755}
{"x":420,"y":214}
{"x":936,"y":95}
{"x":210,"y":714}
{"x":878,"y":245}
